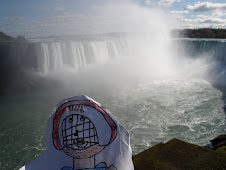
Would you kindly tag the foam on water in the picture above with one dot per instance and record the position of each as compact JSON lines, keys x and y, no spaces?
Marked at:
{"x":155,"y":92}
{"x":152,"y":112}
{"x":155,"y":95}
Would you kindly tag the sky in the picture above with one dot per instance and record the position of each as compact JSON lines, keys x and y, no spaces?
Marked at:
{"x":39,"y":18}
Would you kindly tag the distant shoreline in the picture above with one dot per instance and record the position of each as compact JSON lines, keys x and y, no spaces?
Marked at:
{"x":4,"y":38}
{"x":200,"y":33}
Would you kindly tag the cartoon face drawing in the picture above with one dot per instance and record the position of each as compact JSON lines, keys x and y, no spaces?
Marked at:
{"x":78,"y":132}
{"x":82,"y":135}
{"x":82,"y":129}
{"x":79,"y":137}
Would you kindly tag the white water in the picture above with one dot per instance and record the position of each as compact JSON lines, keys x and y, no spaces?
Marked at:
{"x":215,"y":48}
{"x":155,"y":90}
{"x":152,"y":112}
{"x":140,"y":57}
{"x":74,"y":56}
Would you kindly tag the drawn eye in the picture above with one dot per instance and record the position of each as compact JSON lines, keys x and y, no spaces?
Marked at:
{"x":76,"y":133}
{"x":82,"y":119}
{"x":70,"y":119}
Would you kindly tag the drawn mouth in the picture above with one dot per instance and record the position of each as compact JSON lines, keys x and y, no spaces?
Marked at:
{"x":80,"y":143}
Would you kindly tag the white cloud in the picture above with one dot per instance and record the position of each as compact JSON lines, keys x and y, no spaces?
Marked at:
{"x":148,"y":2}
{"x":205,"y":22}
{"x":206,"y":7}
{"x":201,"y":16}
{"x":12,"y":19}
{"x":167,"y":2}
{"x":219,"y":14}
{"x":126,"y":17}
{"x":179,"y":12}
{"x":213,"y":20}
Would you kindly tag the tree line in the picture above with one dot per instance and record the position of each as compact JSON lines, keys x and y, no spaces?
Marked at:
{"x":6,"y":38}
{"x":200,"y":33}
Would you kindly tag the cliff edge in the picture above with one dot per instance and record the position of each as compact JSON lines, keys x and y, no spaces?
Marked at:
{"x":178,"y":155}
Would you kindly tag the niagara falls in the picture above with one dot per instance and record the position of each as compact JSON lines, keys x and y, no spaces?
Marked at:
{"x":123,"y":54}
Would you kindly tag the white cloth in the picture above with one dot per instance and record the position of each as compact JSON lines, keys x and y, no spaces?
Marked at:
{"x":82,"y":134}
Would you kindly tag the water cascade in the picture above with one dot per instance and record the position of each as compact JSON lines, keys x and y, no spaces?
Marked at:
{"x":152,"y":111}
{"x":150,"y":57}
{"x":203,"y":47}
{"x":75,"y":55}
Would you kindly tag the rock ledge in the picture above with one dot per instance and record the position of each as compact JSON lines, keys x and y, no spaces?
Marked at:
{"x":176,"y":155}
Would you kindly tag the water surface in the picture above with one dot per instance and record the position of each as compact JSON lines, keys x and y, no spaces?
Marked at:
{"x":191,"y":110}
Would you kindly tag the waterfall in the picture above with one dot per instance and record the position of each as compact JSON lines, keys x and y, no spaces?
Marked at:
{"x":201,"y":47}
{"x":49,"y":55}
{"x":75,"y":55}
{"x":138,"y":57}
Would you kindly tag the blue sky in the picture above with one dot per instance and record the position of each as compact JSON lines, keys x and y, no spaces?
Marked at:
{"x":32,"y":18}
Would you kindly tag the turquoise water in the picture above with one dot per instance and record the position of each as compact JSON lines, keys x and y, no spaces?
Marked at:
{"x":191,"y":110}
{"x":174,"y":100}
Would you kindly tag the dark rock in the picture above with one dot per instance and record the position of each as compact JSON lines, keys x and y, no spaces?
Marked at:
{"x":219,"y":141}
{"x":177,"y":154}
{"x":5,"y":38}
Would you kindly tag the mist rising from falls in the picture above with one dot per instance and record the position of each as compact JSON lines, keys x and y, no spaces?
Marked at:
{"x":117,"y":60}
{"x":122,"y":57}
{"x":202,"y":58}
{"x":135,"y":56}
{"x":142,"y":52}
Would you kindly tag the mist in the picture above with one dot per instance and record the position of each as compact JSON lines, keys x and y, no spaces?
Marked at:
{"x":146,"y":55}
{"x":140,"y":39}
{"x":122,"y":55}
